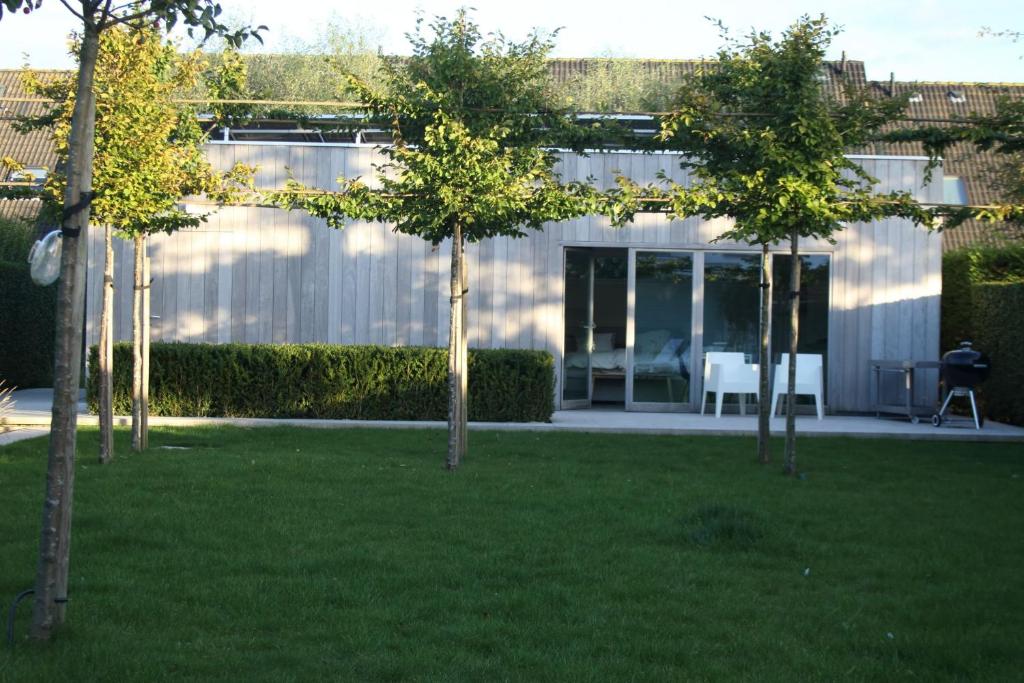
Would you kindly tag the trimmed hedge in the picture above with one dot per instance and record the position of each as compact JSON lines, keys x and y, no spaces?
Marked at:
{"x":27,"y":328}
{"x":956,"y":306}
{"x":961,"y":270}
{"x":331,"y":382}
{"x":999,"y":319}
{"x":16,"y":238}
{"x":982,"y":301}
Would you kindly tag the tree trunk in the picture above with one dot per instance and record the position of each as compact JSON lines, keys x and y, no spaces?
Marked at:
{"x":137,"y":366}
{"x":106,"y":351}
{"x":464,"y":356}
{"x":145,"y":351}
{"x":764,"y":399}
{"x":794,"y":336}
{"x":456,"y":369}
{"x":51,"y":588}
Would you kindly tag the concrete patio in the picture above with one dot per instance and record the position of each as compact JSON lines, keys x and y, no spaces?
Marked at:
{"x":31,"y":417}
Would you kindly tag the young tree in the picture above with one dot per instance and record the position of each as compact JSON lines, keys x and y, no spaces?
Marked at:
{"x":766,"y":146}
{"x":148,"y":155}
{"x":97,"y":16}
{"x":469,"y":118}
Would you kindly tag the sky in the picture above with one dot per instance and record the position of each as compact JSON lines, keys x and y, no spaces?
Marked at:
{"x":918,"y":40}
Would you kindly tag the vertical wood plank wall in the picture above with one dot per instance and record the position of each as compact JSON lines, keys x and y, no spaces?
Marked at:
{"x":268,"y":276}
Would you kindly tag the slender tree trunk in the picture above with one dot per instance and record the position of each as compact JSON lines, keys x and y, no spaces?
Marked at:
{"x":456,"y":369}
{"x":106,"y":351}
{"x":147,"y":281}
{"x":51,"y":588}
{"x":794,"y":336}
{"x":764,"y":401}
{"x":137,"y":365}
{"x":464,"y":356}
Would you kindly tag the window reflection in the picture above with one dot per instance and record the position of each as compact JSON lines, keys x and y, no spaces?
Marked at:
{"x":731,"y":308}
{"x":812,"y":335}
{"x":662,"y":331}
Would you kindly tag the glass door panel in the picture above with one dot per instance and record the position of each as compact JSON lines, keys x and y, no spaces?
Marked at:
{"x":731,"y":308}
{"x":662,"y":327}
{"x":814,"y":303}
{"x":579,"y":328}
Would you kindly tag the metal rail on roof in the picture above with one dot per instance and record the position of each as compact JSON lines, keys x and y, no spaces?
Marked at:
{"x":584,"y":115}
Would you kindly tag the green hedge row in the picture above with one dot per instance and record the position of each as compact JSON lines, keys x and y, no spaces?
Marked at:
{"x":27,"y":328}
{"x":961,"y":270}
{"x":981,"y":302}
{"x":956,"y":307}
{"x":331,"y":382}
{"x":999,"y":320}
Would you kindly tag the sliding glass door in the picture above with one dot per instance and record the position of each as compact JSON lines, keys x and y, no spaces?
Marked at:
{"x":639,"y":334}
{"x":812,"y":335}
{"x":594,"y":358}
{"x":579,"y":329}
{"x":660,"y":330}
{"x":731,"y":303}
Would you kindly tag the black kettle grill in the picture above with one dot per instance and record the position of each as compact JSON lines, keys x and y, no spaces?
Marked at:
{"x":961,"y":371}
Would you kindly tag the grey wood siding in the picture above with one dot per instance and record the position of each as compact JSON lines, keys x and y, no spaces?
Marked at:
{"x":268,"y":276}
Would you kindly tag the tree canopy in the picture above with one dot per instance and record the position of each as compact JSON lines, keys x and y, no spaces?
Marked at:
{"x":148,"y":151}
{"x":201,"y":18}
{"x":766,"y":143}
{"x":470,"y":118}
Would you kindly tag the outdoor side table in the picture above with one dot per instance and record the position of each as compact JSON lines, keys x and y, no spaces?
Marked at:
{"x":908,"y":368}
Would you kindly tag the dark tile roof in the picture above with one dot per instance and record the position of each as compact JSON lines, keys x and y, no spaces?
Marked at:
{"x":976,"y":168}
{"x":20,"y":209}
{"x":31,"y":149}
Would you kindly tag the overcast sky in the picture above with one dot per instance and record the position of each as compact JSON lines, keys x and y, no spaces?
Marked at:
{"x":923,"y":40}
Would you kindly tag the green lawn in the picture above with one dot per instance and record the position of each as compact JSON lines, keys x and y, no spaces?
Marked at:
{"x":282,"y":554}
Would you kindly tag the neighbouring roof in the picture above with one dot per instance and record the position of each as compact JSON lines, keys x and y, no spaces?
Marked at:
{"x":976,"y":168}
{"x":20,"y":209}
{"x":34,"y":150}
{"x":932,"y":100}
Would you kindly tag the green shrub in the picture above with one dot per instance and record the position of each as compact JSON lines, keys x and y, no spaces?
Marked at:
{"x":16,"y":238}
{"x":961,"y":270}
{"x":996,"y":264}
{"x":956,"y":306}
{"x":981,"y":302}
{"x":331,"y":382}
{"x":999,"y":319}
{"x":27,"y":328}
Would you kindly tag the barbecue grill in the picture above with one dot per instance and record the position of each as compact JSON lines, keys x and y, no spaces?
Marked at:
{"x":961,"y":371}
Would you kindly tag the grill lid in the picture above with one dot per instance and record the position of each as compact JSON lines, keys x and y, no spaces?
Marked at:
{"x":965,"y":367}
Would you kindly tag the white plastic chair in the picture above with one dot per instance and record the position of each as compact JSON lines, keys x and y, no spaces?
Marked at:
{"x":727,"y":372}
{"x":809,"y":380}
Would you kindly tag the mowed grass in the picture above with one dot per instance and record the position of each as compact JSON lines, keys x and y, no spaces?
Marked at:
{"x":290,"y":555}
